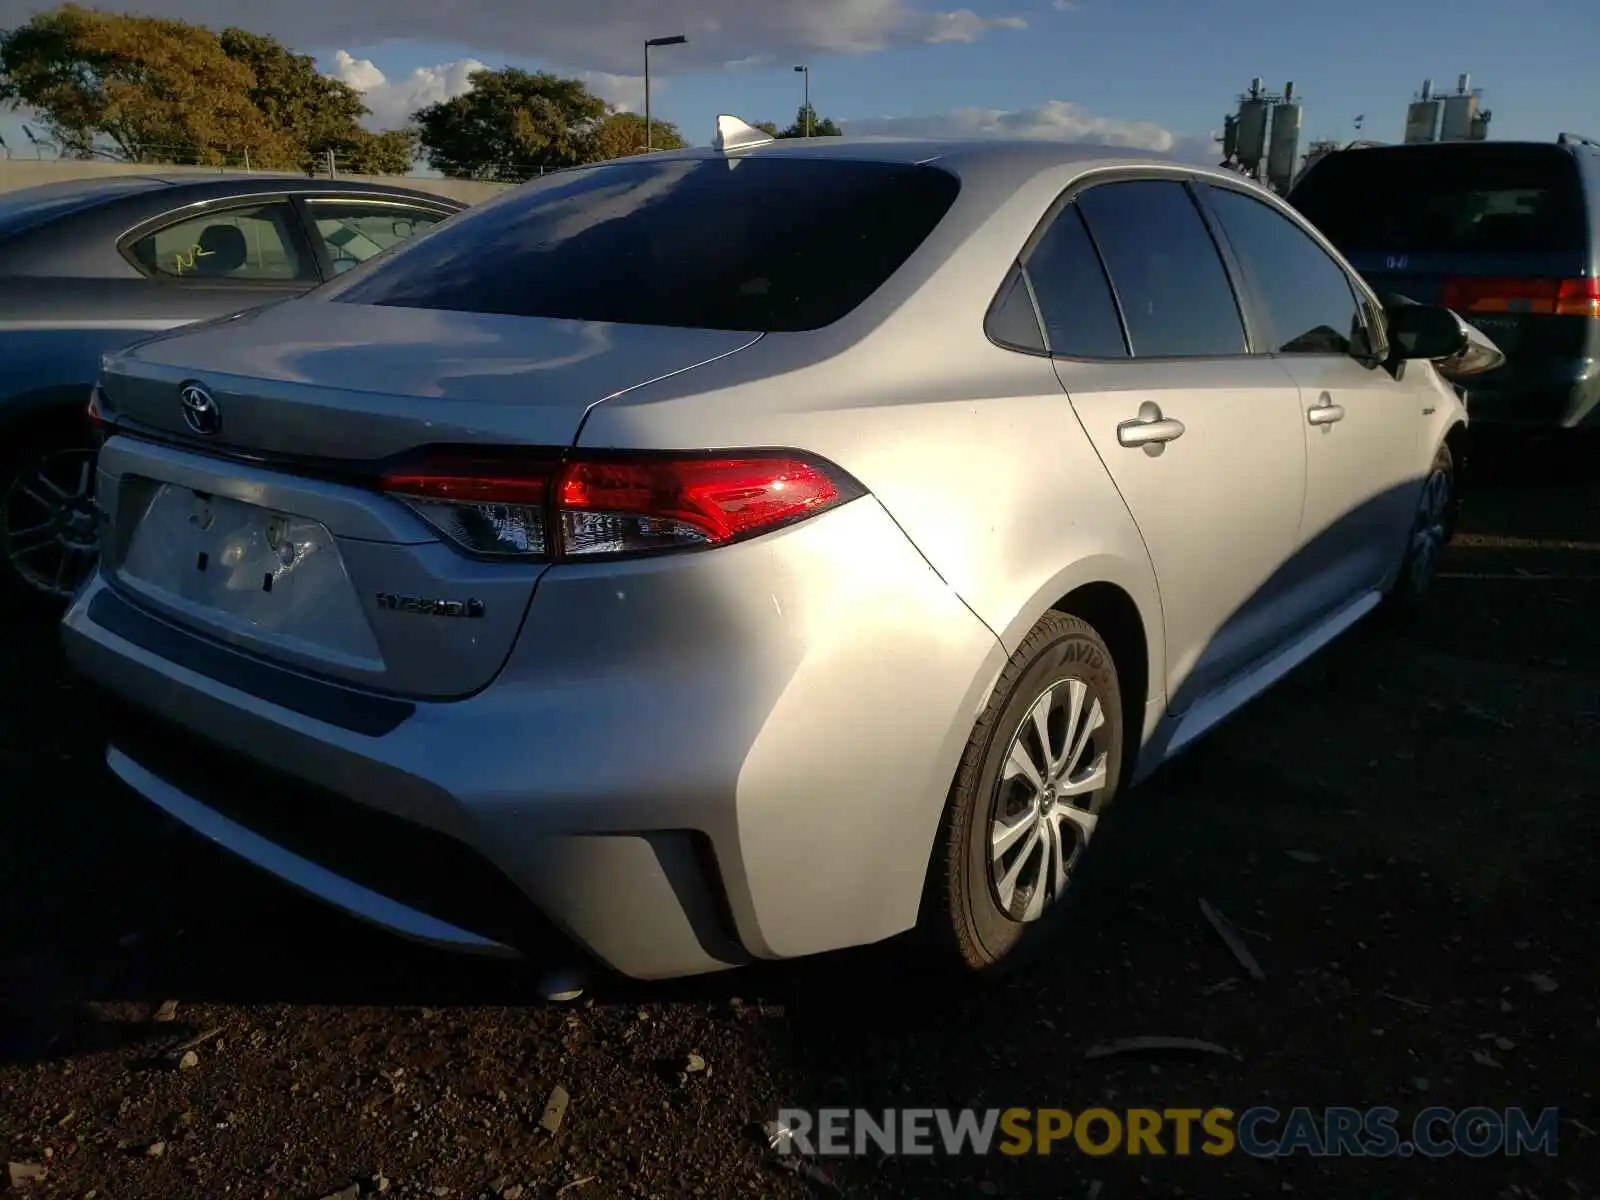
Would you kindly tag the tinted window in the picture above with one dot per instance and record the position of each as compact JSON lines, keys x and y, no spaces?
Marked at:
{"x":1012,"y":321}
{"x":1306,"y":294}
{"x":1442,"y":199}
{"x":252,"y":244}
{"x":1169,"y":279}
{"x":1080,"y":317}
{"x":356,"y":230}
{"x":757,"y":243}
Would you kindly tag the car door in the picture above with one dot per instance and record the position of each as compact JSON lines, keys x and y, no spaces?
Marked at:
{"x":1202,"y":439}
{"x":348,"y":230}
{"x":1362,"y":424}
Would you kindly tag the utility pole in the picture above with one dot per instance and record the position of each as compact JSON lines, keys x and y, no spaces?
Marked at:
{"x":805,"y":106}
{"x":676,"y":40}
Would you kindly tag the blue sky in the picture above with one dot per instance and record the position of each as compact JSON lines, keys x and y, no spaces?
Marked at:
{"x":1146,"y":72}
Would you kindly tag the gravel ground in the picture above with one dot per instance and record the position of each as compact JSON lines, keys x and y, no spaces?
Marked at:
{"x":1404,"y":830}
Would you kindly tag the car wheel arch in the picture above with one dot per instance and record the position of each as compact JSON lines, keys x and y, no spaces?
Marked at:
{"x":1116,"y":617}
{"x":1121,"y":600}
{"x":44,"y":404}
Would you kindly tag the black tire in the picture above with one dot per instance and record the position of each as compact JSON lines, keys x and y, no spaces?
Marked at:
{"x":30,"y":565}
{"x":1434,"y":520}
{"x":963,"y":913}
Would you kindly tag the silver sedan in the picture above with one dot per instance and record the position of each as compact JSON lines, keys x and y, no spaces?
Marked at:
{"x":753,"y":551}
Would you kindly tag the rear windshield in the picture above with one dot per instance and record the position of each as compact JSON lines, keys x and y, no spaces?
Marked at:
{"x":1447,"y":199}
{"x":761,"y":244}
{"x":29,"y":207}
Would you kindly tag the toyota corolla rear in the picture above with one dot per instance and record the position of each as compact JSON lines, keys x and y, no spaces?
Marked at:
{"x":374,"y":617}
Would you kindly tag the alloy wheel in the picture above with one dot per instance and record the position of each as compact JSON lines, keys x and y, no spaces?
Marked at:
{"x":1431,"y":530}
{"x":49,"y":527}
{"x":1045,"y":805}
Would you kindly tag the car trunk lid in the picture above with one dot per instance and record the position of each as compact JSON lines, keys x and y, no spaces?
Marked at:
{"x":346,"y":382}
{"x":269,"y":534}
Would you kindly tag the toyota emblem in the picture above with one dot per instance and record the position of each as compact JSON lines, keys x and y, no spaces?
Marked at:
{"x":200,"y":411}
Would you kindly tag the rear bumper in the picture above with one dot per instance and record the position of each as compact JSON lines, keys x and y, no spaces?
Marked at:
{"x":1561,"y":397}
{"x":686,"y":763}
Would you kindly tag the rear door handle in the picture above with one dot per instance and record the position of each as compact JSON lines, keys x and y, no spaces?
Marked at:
{"x":1149,"y":428}
{"x":1325,"y":411}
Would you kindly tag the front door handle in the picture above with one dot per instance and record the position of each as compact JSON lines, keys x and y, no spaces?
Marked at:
{"x":1325,"y":411}
{"x":1149,"y":429}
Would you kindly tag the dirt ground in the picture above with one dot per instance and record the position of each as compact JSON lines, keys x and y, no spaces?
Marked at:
{"x":1405,"y":830}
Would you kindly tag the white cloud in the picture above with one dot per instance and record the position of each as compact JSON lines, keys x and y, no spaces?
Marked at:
{"x":1066,"y":5}
{"x":593,"y":35}
{"x":964,"y":25}
{"x":393,"y":101}
{"x":624,"y":91}
{"x":1055,"y":119}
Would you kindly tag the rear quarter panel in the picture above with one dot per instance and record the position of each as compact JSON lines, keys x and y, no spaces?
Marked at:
{"x":974,"y":451}
{"x":53,"y":332}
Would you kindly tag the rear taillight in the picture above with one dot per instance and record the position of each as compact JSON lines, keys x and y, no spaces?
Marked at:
{"x":516,"y":505}
{"x":97,"y":409}
{"x":494,"y":507}
{"x":1545,"y":297}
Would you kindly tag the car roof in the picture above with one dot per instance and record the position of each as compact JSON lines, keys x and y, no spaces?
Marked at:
{"x":995,"y":159}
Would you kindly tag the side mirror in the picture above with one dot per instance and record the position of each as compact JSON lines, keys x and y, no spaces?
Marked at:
{"x":1455,"y":348}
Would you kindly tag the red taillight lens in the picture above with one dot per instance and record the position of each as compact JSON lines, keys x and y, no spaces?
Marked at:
{"x":1543,"y":297}
{"x":96,"y":410}
{"x":502,"y":506}
{"x":626,"y":507}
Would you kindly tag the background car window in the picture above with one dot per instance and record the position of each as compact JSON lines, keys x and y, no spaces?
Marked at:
{"x":777,"y":244}
{"x":249,"y":244}
{"x":1441,"y":199}
{"x":1306,"y":294}
{"x":1169,"y":278}
{"x":355,"y":231}
{"x":1080,"y":316}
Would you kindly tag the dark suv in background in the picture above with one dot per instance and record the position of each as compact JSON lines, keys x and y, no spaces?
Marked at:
{"x":1505,"y":234}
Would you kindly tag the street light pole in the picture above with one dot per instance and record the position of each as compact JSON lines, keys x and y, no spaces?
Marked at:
{"x":676,"y":40}
{"x":806,"y":104}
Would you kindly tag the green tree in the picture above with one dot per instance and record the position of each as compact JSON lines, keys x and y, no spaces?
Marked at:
{"x":155,"y":89}
{"x":317,"y":113}
{"x":622,"y":133}
{"x":164,"y":91}
{"x":820,"y":126}
{"x":769,"y":127}
{"x":510,"y":124}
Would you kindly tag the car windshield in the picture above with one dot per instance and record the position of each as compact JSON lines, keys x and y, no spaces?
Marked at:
{"x":1446,"y":199}
{"x":761,"y":244}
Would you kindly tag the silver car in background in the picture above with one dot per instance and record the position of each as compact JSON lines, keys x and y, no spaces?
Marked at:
{"x":744,"y":553}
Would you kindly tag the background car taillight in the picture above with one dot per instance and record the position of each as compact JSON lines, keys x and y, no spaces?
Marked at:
{"x":525,"y":506}
{"x":1546,"y":297}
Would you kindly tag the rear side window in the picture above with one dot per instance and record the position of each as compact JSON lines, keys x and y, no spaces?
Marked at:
{"x":760,"y":244}
{"x":1484,"y":198}
{"x":1306,"y":294}
{"x":1168,"y":276}
{"x":356,"y":230}
{"x":256,"y":243}
{"x":1080,"y":316}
